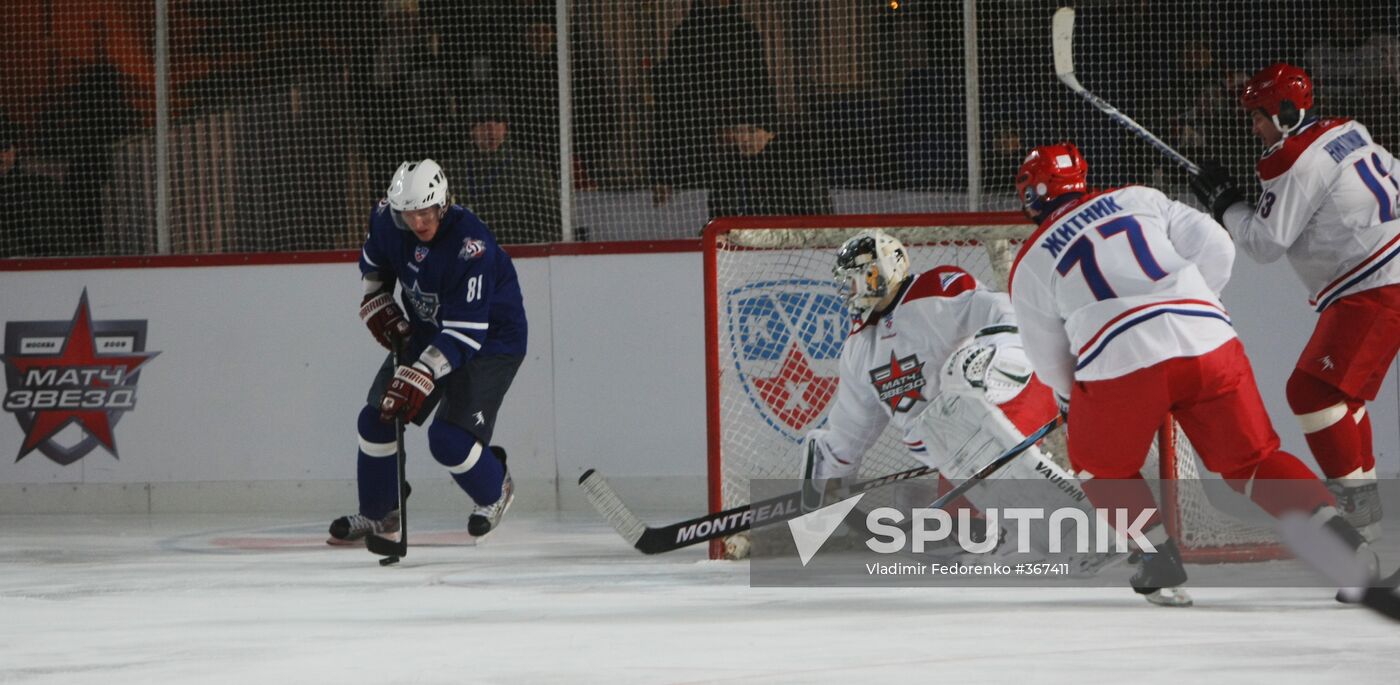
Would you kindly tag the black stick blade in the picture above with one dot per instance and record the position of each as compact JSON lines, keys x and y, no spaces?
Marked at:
{"x":385,"y":547}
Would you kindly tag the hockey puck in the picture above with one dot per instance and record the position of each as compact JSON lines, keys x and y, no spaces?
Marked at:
{"x":388,"y":561}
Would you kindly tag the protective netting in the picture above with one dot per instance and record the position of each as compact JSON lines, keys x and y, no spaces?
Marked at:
{"x":281,"y":121}
{"x":778,"y":327}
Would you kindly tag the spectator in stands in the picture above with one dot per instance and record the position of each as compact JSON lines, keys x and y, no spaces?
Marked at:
{"x":513,"y":191}
{"x":20,"y":193}
{"x":97,"y":116}
{"x":713,"y":77}
{"x":1003,"y":152}
{"x":767,"y":172}
{"x":531,"y":80}
{"x":932,"y":126}
{"x":409,"y":94}
{"x":1359,"y":65}
{"x":1202,"y":115}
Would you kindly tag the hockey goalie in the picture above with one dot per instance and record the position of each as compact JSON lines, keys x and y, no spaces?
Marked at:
{"x":940,"y":356}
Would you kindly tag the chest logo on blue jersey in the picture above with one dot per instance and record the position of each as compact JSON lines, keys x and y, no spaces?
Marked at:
{"x":425,"y":305}
{"x":471,"y":249}
{"x":420,"y":253}
{"x":899,"y":382}
{"x":80,"y":372}
{"x":785,"y":341}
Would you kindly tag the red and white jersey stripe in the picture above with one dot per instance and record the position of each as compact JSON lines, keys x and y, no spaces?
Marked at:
{"x":1331,"y":202}
{"x":1118,"y":281}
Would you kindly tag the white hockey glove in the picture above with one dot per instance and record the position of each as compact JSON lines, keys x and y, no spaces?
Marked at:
{"x":993,"y":362}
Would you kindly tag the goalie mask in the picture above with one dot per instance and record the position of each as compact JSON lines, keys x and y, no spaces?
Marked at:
{"x":869,"y":266}
{"x":1281,"y":91}
{"x":416,"y":185}
{"x":1049,"y":173}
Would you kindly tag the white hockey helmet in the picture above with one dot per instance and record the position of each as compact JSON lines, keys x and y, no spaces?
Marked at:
{"x":869,"y":266}
{"x":416,"y":185}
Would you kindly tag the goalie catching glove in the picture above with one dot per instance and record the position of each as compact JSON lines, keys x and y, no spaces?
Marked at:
{"x":992,"y":362}
{"x":384,"y":319}
{"x":407,"y":392}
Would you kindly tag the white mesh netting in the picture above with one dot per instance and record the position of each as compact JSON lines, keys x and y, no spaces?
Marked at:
{"x":778,"y":327}
{"x":281,"y":121}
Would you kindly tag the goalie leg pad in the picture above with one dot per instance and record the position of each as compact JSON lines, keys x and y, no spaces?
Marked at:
{"x":377,"y":470}
{"x":476,"y":469}
{"x":964,"y":433}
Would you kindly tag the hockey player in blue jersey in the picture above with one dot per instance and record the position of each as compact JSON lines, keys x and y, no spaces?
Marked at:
{"x":463,"y":339}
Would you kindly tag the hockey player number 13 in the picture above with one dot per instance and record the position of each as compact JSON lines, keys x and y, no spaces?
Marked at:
{"x":1081,"y":252}
{"x":1383,"y":196}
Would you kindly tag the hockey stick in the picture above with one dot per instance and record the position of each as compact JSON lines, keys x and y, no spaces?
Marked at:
{"x":649,"y":540}
{"x":393,"y":550}
{"x":1062,"y":38}
{"x":994,"y":465}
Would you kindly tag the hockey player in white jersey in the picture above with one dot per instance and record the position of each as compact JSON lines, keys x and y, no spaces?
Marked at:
{"x":1117,"y":296}
{"x":939,"y":356}
{"x":1328,"y":202}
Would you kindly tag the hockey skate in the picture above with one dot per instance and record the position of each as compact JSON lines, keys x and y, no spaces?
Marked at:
{"x":1364,"y":557}
{"x":352,"y":529}
{"x":1359,"y":502}
{"x":485,"y":518}
{"x":1160,"y":575}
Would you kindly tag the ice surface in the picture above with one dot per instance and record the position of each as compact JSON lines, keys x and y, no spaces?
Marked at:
{"x":551,"y":599}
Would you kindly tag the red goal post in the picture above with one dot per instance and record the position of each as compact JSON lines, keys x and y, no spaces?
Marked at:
{"x":773,"y":332}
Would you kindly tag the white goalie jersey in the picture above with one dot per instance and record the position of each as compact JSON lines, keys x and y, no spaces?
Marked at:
{"x":890,"y":364}
{"x":945,"y":365}
{"x":1329,"y":201}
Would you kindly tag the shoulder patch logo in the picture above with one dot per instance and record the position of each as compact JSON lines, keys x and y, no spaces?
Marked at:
{"x":471,"y":249}
{"x":949,"y":278}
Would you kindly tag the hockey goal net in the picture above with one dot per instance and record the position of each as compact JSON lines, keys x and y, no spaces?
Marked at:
{"x":774,"y":328}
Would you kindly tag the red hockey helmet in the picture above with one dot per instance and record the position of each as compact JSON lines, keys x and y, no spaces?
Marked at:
{"x":1282,"y":91}
{"x":1049,"y":172}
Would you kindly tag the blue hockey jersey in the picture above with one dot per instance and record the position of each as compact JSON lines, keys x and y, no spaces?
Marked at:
{"x":459,"y":291}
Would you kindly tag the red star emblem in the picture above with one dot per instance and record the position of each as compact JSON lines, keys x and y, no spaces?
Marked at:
{"x":896,"y":373}
{"x":796,"y":395}
{"x":79,"y":352}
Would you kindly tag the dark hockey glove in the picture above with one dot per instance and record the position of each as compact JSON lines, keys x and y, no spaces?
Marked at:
{"x":406,"y":393}
{"x":384,"y":319}
{"x":1215,"y":189}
